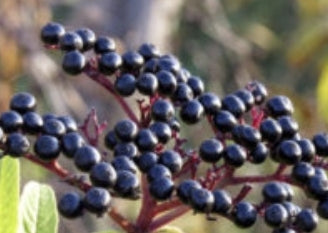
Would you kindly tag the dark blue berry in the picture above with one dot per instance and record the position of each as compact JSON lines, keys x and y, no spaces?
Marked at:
{"x":211,"y":150}
{"x":126,"y":130}
{"x":148,"y":51}
{"x":109,"y":63}
{"x":71,"y":142}
{"x":192,"y":112}
{"x":71,"y":41}
{"x":201,"y":200}
{"x":306,"y":220}
{"x":279,"y":106}
{"x":158,"y":171}
{"x":292,"y":210}
{"x":184,"y":189}
{"x":259,"y":153}
{"x":322,"y":209}
{"x":247,"y":98}
{"x":127,"y":149}
{"x":69,"y":123}
{"x":47,"y":147}
{"x":174,"y":124}
{"x":127,"y":185}
{"x":222,"y":201}
{"x":48,"y":116}
{"x":161,"y":189}
{"x":172,"y":160}
{"x":167,"y":83}
{"x":110,"y":140}
{"x":23,"y":102}
{"x":274,"y":192}
{"x":169,"y":63}
{"x":224,"y":121}
{"x":271,"y":130}
{"x":183,"y":93}
{"x":289,"y":126}
{"x":196,"y":85}
{"x":249,"y":136}
{"x":88,"y":38}
{"x":302,"y":172}
{"x":125,"y":85}
{"x":258,"y":91}
{"x":147,"y":84}
{"x":70,"y":205}
{"x":162,"y":110}
{"x":51,"y":33}
{"x":86,"y":157}
{"x":276,"y":215}
{"x":73,"y":62}
{"x":124,"y":163}
{"x":17,"y":145}
{"x":151,"y":66}
{"x":289,"y":152}
{"x":54,"y":128}
{"x":233,"y":104}
{"x":283,"y":230}
{"x":308,"y":149}
{"x":320,"y":142}
{"x":244,"y":214}
{"x":210,"y":102}
{"x":132,"y":61}
{"x":146,"y":161}
{"x":317,"y":187}
{"x":104,"y":44}
{"x":162,"y":131}
{"x":11,"y":121}
{"x":320,"y":172}
{"x":103,"y":175}
{"x":97,"y":200}
{"x":183,"y":75}
{"x":146,"y":140}
{"x":234,"y":155}
{"x":33,"y":123}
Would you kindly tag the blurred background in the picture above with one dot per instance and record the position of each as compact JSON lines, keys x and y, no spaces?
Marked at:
{"x":282,"y":43}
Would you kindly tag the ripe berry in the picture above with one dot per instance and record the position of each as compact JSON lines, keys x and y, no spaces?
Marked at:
{"x":247,"y":98}
{"x":183,"y":75}
{"x":162,"y":110}
{"x":302,"y":172}
{"x":151,"y":66}
{"x":17,"y":145}
{"x":307,"y":148}
{"x":71,"y":41}
{"x":69,"y":123}
{"x":317,"y":187}
{"x":222,"y":201}
{"x":125,"y":85}
{"x":289,"y":152}
{"x":289,"y":126}
{"x":103,"y":175}
{"x":233,"y":104}
{"x":127,"y":149}
{"x":23,"y":102}
{"x":10,"y":121}
{"x":132,"y":61}
{"x":234,"y":155}
{"x":196,"y":85}
{"x":192,"y":112}
{"x":148,"y":51}
{"x":169,"y":63}
{"x":109,"y":63}
{"x":146,"y":140}
{"x":184,"y":189}
{"x":275,"y":215}
{"x":183,"y":93}
{"x":104,"y":45}
{"x":259,"y":153}
{"x":279,"y":106}
{"x":258,"y":91}
{"x":127,"y":185}
{"x":283,"y":230}
{"x":320,"y":142}
{"x":322,"y":209}
{"x":158,"y":171}
{"x":86,"y":157}
{"x":110,"y":140}
{"x":320,"y":172}
{"x":124,"y":163}
{"x":146,"y":161}
{"x":249,"y":136}
{"x":71,"y":142}
{"x":97,"y":200}
{"x":33,"y":123}
{"x":88,"y":38}
{"x":70,"y":205}
{"x":73,"y":62}
{"x":51,"y":33}
{"x":167,"y":83}
{"x":211,"y":150}
{"x":274,"y":192}
{"x":201,"y":200}
{"x":54,"y":128}
{"x":162,"y":131}
{"x":210,"y":102}
{"x":224,"y":121}
{"x":161,"y":189}
{"x":47,"y":147}
{"x":306,"y":220}
{"x":171,"y":159}
{"x":147,"y":84}
{"x":48,"y":116}
{"x":174,"y":124}
{"x":244,"y":214}
{"x":271,"y":130}
{"x":292,"y":210}
{"x":126,"y":130}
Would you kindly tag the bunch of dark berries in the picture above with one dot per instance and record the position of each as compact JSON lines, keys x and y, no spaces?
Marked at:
{"x":146,"y":158}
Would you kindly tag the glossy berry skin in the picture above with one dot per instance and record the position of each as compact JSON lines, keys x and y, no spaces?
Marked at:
{"x":271,"y":130}
{"x":169,"y":63}
{"x":104,"y":44}
{"x":174,"y":124}
{"x":17,"y":145}
{"x":86,"y":157}
{"x":292,"y":210}
{"x":183,"y":75}
{"x":71,"y":41}
{"x":234,"y":155}
{"x":320,"y":142}
{"x":109,"y":63}
{"x":132,"y":61}
{"x":146,"y":140}
{"x":54,"y":128}
{"x":211,"y":150}
{"x":71,"y":142}
{"x":211,"y":102}
{"x":2,"y":136}
{"x":306,"y":220}
{"x":283,"y":230}
{"x":192,"y":112}
{"x":279,"y":106}
{"x":103,"y":175}
{"x":126,"y":130}
{"x":127,"y":185}
{"x":151,"y":66}
{"x":162,"y":131}
{"x":158,"y":171}
{"x":125,"y":85}
{"x":258,"y":91}
{"x":73,"y":62}
{"x":224,"y":121}
{"x":249,"y":136}
{"x":70,"y":205}
{"x":33,"y":123}
{"x":97,"y":200}
{"x":196,"y":85}
{"x":275,"y":215}
{"x":289,"y":126}
{"x":127,"y":149}
{"x":307,"y":148}
{"x":172,"y":160}
{"x":69,"y":123}
{"x":259,"y":153}
{"x":110,"y":140}
{"x":244,"y":214}
{"x":320,"y":172}
{"x":184,"y":189}
{"x":222,"y":201}
{"x":167,"y":83}
{"x":51,"y":33}
{"x":201,"y":200}
{"x":161,"y":189}
{"x":183,"y":93}
{"x":146,"y":161}
{"x":11,"y":121}
{"x":317,"y":187}
{"x":233,"y":104}
{"x":148,"y":51}
{"x":23,"y":102}
{"x":247,"y":98}
{"x":47,"y":147}
{"x":302,"y":172}
{"x":322,"y":209}
{"x":48,"y":116}
{"x":289,"y":152}
{"x":147,"y":84}
{"x":88,"y":38}
{"x":124,"y":163}
{"x":162,"y":110}
{"x":274,"y":192}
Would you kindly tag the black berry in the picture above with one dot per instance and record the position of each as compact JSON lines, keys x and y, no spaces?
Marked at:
{"x":97,"y":200}
{"x":126,"y":130}
{"x":103,"y":175}
{"x":71,"y":41}
{"x":47,"y":147}
{"x":51,"y":33}
{"x":125,"y":85}
{"x":104,"y":45}
{"x":71,"y":142}
{"x":211,"y":150}
{"x":192,"y":112}
{"x":73,"y":62}
{"x":244,"y":214}
{"x":11,"y":121}
{"x":86,"y":157}
{"x":109,"y":63}
{"x":162,"y":188}
{"x":17,"y":145}
{"x":23,"y":102}
{"x":88,"y":38}
{"x":70,"y":205}
{"x":162,"y":110}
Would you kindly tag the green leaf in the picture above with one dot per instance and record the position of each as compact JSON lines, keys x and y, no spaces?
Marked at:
{"x":322,"y":93}
{"x":38,"y":211}
{"x":169,"y":229}
{"x":9,"y":194}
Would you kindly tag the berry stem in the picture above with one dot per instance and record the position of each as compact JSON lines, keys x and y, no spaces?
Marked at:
{"x":121,"y":221}
{"x":243,"y":193}
{"x":167,"y":206}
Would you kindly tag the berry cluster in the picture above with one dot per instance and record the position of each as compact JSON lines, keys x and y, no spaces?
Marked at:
{"x":149,"y":159}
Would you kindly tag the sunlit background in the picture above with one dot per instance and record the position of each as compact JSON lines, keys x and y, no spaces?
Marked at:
{"x":282,"y":43}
